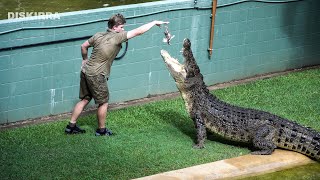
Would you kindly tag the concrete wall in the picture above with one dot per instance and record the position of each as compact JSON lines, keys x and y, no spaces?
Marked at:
{"x":40,"y":58}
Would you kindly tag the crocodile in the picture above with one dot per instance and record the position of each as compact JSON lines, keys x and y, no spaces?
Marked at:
{"x":262,"y":130}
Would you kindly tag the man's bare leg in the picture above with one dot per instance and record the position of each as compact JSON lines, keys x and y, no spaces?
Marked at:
{"x":102,"y":114}
{"x":78,"y":108}
{"x":72,"y":128}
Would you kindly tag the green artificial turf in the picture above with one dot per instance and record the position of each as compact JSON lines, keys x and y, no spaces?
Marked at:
{"x":150,"y":138}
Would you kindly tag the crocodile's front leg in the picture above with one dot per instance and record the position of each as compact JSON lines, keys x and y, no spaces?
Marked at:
{"x":201,"y":130}
{"x":263,"y":140}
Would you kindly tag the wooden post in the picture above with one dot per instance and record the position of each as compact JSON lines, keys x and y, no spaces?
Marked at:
{"x":213,"y":15}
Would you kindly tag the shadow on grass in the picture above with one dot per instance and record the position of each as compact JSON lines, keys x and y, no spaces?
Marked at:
{"x":179,"y":121}
{"x":220,"y":139}
{"x":185,"y":125}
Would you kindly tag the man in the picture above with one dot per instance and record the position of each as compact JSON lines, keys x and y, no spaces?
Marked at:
{"x":96,"y":71}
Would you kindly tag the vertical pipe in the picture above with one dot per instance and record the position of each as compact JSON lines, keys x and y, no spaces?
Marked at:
{"x":213,"y":15}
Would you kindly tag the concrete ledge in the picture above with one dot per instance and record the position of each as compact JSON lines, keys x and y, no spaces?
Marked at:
{"x":243,"y":166}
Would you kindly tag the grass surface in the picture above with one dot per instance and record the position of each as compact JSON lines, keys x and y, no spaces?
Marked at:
{"x":148,"y":139}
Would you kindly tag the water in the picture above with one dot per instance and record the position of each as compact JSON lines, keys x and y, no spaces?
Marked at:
{"x":14,"y":6}
{"x":306,"y":172}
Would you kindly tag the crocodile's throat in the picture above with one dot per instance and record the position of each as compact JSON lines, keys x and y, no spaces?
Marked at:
{"x":179,"y":75}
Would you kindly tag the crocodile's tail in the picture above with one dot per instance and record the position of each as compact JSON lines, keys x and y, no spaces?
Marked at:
{"x":295,"y":137}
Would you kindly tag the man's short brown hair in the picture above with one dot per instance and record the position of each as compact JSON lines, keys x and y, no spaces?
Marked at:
{"x":116,"y":20}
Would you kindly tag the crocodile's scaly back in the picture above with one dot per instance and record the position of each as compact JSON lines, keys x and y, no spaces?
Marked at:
{"x":265,"y":131}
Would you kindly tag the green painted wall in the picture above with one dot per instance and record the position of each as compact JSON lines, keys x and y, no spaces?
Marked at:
{"x":40,"y":58}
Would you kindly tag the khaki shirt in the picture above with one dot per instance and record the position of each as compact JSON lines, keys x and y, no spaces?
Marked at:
{"x":106,"y":46}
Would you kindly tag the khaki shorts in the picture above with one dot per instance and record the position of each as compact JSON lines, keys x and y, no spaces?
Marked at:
{"x":94,"y":87}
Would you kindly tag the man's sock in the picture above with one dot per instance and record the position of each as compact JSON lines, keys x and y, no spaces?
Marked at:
{"x":102,"y":130}
{"x":72,"y":124}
